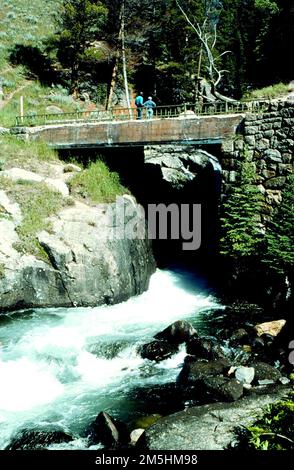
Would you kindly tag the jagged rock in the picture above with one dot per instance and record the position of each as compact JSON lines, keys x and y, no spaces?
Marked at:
{"x":192,"y":372}
{"x":272,"y":328}
{"x":28,"y":439}
{"x":136,"y":436}
{"x":179,"y":165}
{"x":109,"y":432}
{"x":204,"y":348}
{"x":177,"y":333}
{"x":157,"y":350}
{"x":86,"y":265}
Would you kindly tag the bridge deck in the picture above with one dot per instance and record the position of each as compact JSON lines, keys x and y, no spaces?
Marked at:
{"x":181,"y":130}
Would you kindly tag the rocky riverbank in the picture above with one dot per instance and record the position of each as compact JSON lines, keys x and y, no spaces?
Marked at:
{"x":230,"y":386}
{"x":74,"y":257}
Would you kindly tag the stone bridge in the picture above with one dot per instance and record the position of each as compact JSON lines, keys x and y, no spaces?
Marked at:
{"x":197,"y":130}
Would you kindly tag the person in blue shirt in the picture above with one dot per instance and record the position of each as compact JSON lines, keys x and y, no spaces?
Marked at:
{"x":139,"y":103}
{"x":149,"y":105}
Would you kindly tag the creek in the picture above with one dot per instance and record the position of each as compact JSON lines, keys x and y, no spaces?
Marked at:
{"x":61,"y":367}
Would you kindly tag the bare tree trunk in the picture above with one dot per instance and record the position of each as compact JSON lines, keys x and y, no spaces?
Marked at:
{"x":124,"y":62}
{"x":208,"y":41}
{"x":113,"y":82}
{"x":115,"y":65}
{"x":121,"y":38}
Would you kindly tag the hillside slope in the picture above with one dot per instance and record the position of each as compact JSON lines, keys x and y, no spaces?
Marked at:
{"x":28,"y":24}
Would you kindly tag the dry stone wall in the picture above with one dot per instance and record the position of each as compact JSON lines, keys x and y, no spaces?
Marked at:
{"x":269,"y":139}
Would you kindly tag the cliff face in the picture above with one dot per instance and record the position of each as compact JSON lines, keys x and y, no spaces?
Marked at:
{"x":82,"y":263}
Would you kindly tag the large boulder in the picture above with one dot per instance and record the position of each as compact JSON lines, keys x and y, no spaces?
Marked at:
{"x":265,"y":372}
{"x":220,"y":389}
{"x":208,"y":427}
{"x":108,"y":431}
{"x":84,"y":264}
{"x":177,"y":333}
{"x":193,"y":371}
{"x":157,"y":350}
{"x":19,"y":174}
{"x":272,"y":328}
{"x":204,"y":348}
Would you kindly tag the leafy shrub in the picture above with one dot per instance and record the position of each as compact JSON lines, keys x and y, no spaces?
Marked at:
{"x":273,"y":431}
{"x":97,"y":183}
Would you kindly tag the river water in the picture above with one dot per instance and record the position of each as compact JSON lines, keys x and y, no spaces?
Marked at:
{"x":61,"y":367}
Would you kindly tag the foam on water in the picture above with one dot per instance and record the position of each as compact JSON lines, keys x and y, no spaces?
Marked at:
{"x":49,"y":374}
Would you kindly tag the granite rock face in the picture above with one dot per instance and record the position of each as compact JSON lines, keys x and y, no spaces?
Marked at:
{"x":87,"y":264}
{"x":208,"y":427}
{"x":179,"y":165}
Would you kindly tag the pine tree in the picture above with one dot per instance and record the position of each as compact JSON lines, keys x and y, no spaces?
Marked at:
{"x":242,"y":232}
{"x":279,"y":256}
{"x":80,"y":22}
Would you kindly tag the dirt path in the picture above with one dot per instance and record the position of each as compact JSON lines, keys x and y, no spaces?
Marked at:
{"x":9,"y":97}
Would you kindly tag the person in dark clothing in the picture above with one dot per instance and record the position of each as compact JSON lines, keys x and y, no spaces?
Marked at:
{"x":139,"y":103}
{"x":149,"y":105}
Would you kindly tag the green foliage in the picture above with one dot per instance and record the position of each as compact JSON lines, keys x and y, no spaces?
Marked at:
{"x":37,"y":203}
{"x":97,"y":183}
{"x":279,"y":254}
{"x":241,"y":227}
{"x":269,"y":92}
{"x":80,"y":23}
{"x":14,"y":151}
{"x":274,"y":430}
{"x":269,"y":6}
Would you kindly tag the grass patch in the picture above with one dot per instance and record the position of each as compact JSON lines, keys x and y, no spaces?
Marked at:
{"x":6,"y":184}
{"x":37,"y":203}
{"x":97,"y":183}
{"x":270,"y":92}
{"x":37,"y":98}
{"x":274,"y":431}
{"x":28,"y":24}
{"x":14,"y":151}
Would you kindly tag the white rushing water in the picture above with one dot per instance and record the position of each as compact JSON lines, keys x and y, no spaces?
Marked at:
{"x":64,"y":366}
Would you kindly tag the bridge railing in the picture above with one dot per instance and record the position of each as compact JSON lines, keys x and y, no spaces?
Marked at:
{"x":184,"y":110}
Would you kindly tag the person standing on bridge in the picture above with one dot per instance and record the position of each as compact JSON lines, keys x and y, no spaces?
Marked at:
{"x":139,"y":103}
{"x":149,"y":105}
